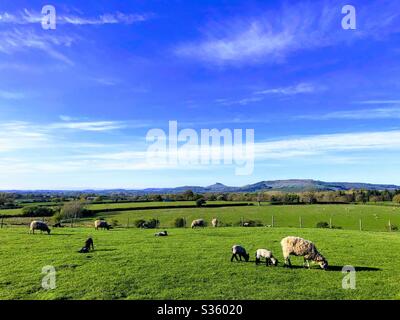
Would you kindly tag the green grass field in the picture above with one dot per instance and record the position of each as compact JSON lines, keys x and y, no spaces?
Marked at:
{"x":115,"y":205}
{"x":194,"y":264}
{"x":11,"y":212}
{"x":374,"y":218}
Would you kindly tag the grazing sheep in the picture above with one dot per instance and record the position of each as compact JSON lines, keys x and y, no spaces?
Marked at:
{"x":239,"y":251}
{"x":269,"y":258}
{"x":87,"y":246}
{"x":102,"y":225}
{"x":198,"y":223}
{"x":214,"y":222}
{"x":161,"y":233}
{"x":246,"y":224}
{"x":299,"y":247}
{"x":39,"y":225}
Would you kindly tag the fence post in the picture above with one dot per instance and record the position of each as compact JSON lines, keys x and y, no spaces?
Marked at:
{"x":330,"y":223}
{"x":127,"y":223}
{"x":272,"y":221}
{"x":390,"y":226}
{"x":241,"y":221}
{"x":360,"y":225}
{"x":301,"y":222}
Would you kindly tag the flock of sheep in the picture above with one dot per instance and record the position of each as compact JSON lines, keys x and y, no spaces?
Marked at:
{"x":290,"y":245}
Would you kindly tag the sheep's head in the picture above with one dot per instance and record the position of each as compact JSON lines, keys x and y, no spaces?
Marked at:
{"x":246,"y":257}
{"x":48,"y":231}
{"x":274,"y":261}
{"x":323,"y":263}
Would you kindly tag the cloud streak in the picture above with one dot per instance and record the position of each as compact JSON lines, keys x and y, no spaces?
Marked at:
{"x":20,"y":40}
{"x":29,"y":17}
{"x":301,"y":88}
{"x":361,"y":114}
{"x":274,"y":36}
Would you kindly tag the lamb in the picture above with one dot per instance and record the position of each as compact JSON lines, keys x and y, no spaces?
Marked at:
{"x":300,"y":247}
{"x":214,"y":222}
{"x":39,"y":225}
{"x":239,"y":251}
{"x":102,"y":225}
{"x":198,"y":223}
{"x":269,"y":258}
{"x":161,"y":234}
{"x":87,"y":246}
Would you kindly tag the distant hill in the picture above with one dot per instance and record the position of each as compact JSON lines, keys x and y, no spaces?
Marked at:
{"x":291,"y":185}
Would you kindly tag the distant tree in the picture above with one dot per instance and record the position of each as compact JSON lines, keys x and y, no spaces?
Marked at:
{"x":375,"y":199}
{"x":308,"y":197}
{"x":200,"y":202}
{"x":37,"y":211}
{"x":396,"y":198}
{"x":188,"y":195}
{"x":222,"y":197}
{"x":72,"y":210}
{"x":5,"y":198}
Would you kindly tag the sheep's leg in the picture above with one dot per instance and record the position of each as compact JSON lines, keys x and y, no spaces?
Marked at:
{"x":287,"y":262}
{"x":234,"y":256}
{"x":240,"y":257}
{"x":257,"y":260}
{"x":268,"y":261}
{"x":306,"y":263}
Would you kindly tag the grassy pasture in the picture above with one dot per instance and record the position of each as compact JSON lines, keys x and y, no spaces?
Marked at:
{"x":115,"y":205}
{"x":194,"y":264}
{"x":374,"y":218}
{"x":11,"y":212}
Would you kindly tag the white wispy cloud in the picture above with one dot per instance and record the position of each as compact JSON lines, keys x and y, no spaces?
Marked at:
{"x":108,"y":18}
{"x":20,"y":135}
{"x":108,"y":82}
{"x":300,"y":88}
{"x":379,"y":102}
{"x":26,"y":16}
{"x":360,"y":114}
{"x":291,"y":90}
{"x":15,"y":40}
{"x":328,"y":143}
{"x":60,"y":154}
{"x":271,"y":38}
{"x":23,"y":37}
{"x":89,"y":125}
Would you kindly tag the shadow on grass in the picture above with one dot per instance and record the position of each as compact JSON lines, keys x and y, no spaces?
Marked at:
{"x":333,"y":268}
{"x":339,"y":268}
{"x":330,"y":268}
{"x":104,"y":250}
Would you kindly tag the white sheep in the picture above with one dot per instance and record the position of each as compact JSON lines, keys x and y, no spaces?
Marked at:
{"x":102,"y":225}
{"x":269,"y":258}
{"x":300,"y":247}
{"x":198,"y":223}
{"x":39,"y":225}
{"x":214,"y":222}
{"x":239,"y":251}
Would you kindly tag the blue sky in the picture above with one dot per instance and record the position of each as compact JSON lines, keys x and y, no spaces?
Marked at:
{"x":77,"y":102}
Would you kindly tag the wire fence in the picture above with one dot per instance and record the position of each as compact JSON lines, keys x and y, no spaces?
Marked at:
{"x":270,"y":222}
